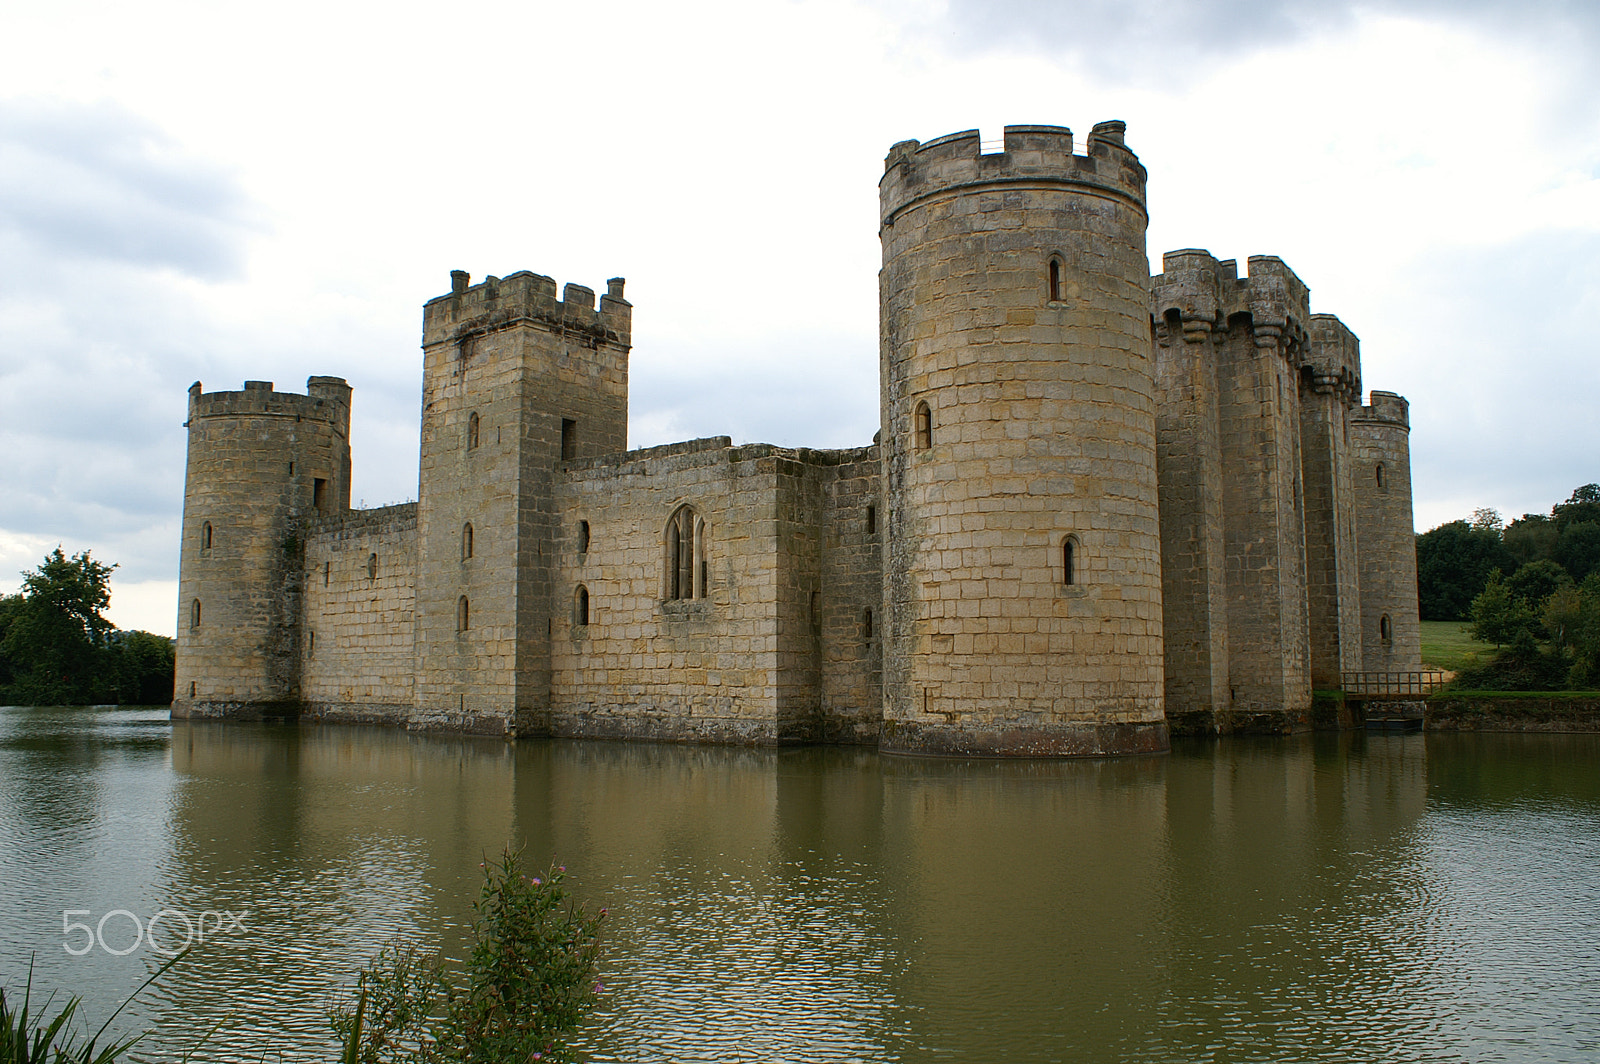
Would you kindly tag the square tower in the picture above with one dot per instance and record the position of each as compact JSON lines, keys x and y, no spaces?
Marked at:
{"x":515,"y":382}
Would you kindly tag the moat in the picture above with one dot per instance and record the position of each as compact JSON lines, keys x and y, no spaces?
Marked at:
{"x":1330,"y":897}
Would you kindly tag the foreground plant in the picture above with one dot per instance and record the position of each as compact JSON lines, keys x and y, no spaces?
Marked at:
{"x":26,"y":1039}
{"x":524,"y":990}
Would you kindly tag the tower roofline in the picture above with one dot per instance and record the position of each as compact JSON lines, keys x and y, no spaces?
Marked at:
{"x":1033,"y":156}
{"x":526,"y":296}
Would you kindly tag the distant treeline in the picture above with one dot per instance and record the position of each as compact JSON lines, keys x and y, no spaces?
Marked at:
{"x":1530,"y":588}
{"x":1454,"y":560}
{"x":58,"y":648}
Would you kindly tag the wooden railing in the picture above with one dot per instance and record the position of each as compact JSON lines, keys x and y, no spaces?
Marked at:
{"x":1396,"y":685}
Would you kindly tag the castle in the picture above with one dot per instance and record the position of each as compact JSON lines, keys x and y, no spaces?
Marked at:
{"x":1102,"y":507}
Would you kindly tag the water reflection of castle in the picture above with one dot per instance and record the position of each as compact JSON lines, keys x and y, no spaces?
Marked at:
{"x":1100,"y":505}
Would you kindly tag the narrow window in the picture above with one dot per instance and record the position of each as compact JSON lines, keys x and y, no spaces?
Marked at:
{"x":866,"y":624}
{"x":701,"y":571}
{"x":569,"y":439}
{"x":319,"y":493}
{"x":194,"y":614}
{"x":291,"y":469}
{"x":466,"y":541}
{"x":327,"y":567}
{"x":311,"y":644}
{"x":372,"y":567}
{"x":1069,"y":561}
{"x":923,"y":421}
{"x":1379,"y":473}
{"x":583,"y":537}
{"x":463,"y":614}
{"x":580,"y":606}
{"x":1385,"y":630}
{"x":205,"y":536}
{"x":191,"y":688}
{"x":472,"y":431}
{"x":684,"y":556}
{"x":872,"y":520}
{"x":1055,"y":280}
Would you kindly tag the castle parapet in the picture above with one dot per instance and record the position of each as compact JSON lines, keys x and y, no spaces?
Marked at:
{"x":1205,"y":293}
{"x":1386,"y":407}
{"x":471,"y":309}
{"x":1334,"y":358}
{"x":327,"y":400}
{"x":1033,"y":155}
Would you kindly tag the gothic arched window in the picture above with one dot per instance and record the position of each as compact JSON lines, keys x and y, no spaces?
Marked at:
{"x":684,"y":556}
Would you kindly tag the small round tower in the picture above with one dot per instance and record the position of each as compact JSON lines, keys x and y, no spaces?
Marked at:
{"x":261,"y":463}
{"x":1386,"y":538}
{"x":1022,"y":569}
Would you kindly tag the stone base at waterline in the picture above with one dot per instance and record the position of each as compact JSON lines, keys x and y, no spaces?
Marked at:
{"x":1023,"y":740}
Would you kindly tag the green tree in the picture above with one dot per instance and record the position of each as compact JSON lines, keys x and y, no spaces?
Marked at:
{"x":56,"y":638}
{"x":142,"y":664}
{"x":1531,"y":584}
{"x":1453,"y":565}
{"x":1578,"y":549}
{"x":1581,"y":632}
{"x":1531,"y":538}
{"x":1582,"y":507}
{"x":1498,"y":617}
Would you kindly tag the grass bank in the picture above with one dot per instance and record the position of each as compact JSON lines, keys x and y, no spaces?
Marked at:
{"x":1448,"y":645}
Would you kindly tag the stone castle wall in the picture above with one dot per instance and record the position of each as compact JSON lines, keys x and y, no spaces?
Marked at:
{"x":358,"y":643}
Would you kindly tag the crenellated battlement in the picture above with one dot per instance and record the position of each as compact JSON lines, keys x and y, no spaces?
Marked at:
{"x":497,"y":302}
{"x":1387,"y":408}
{"x":1204,"y":293}
{"x":1033,"y":156}
{"x":327,"y":400}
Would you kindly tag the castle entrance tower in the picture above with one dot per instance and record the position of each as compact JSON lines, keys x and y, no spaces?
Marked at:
{"x":1022,"y":566}
{"x":261,"y":462}
{"x":514,"y":382}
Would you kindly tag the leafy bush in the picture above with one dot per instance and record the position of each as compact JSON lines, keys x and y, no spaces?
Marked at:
{"x":526,"y":986}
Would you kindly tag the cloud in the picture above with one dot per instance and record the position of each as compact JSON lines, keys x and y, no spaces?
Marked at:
{"x":1175,"y":40}
{"x":806,"y":389}
{"x":95,"y":182}
{"x":110,"y":237}
{"x":1502,"y":408}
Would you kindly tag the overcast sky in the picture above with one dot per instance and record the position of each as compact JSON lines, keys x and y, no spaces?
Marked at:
{"x":216,"y":192}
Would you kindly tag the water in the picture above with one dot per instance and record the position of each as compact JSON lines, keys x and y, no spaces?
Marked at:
{"x":1326,"y":898}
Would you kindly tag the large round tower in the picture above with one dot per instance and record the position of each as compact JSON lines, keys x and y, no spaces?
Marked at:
{"x":260,"y":463}
{"x":1022,"y":569}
